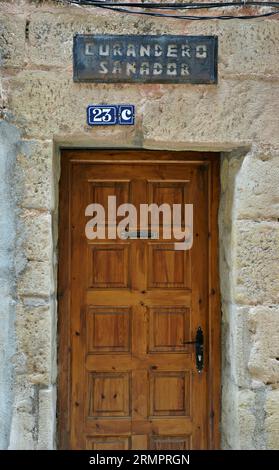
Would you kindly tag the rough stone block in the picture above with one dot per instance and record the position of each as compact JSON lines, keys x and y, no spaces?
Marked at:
{"x":34,"y":175}
{"x":246,"y":419}
{"x":235,"y":337}
{"x":230,"y":165}
{"x":23,"y":423}
{"x":264,"y":354}
{"x":12,"y":40}
{"x":22,"y":431}
{"x":9,"y":141}
{"x":36,"y":232}
{"x":47,"y":419}
{"x":232,"y":111}
{"x":256,"y":248}
{"x":256,"y":191}
{"x":272,"y":419}
{"x":36,"y":280}
{"x":34,"y":331}
{"x":229,"y":428}
{"x":47,"y":105}
{"x":238,"y":420}
{"x":249,"y":49}
{"x":244,"y":49}
{"x":51,"y":33}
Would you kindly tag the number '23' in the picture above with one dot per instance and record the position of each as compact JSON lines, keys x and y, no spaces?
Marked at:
{"x":103,"y":114}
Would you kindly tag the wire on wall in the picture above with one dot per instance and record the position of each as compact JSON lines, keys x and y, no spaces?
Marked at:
{"x":151,"y":9}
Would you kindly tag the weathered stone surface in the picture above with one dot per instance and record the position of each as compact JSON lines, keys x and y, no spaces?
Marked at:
{"x":246,"y":419}
{"x":203,"y":114}
{"x":257,"y":262}
{"x":57,"y":105}
{"x":256,"y":193}
{"x":47,"y":419}
{"x":242,"y":50}
{"x":238,"y":420}
{"x":12,"y":40}
{"x":230,"y":165}
{"x":272,"y":419}
{"x":249,"y":48}
{"x":229,"y":414}
{"x":34,"y":329}
{"x":236,"y":343}
{"x":9,"y":141}
{"x":259,"y":436}
{"x":181,"y":114}
{"x":264,"y":355}
{"x":34,"y":174}
{"x":36,"y":279}
{"x":51,"y":33}
{"x":23,"y":425}
{"x":36,"y":230}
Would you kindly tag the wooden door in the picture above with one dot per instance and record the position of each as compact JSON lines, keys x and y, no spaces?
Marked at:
{"x":127,"y":307}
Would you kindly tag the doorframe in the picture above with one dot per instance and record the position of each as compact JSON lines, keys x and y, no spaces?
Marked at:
{"x":63,"y":296}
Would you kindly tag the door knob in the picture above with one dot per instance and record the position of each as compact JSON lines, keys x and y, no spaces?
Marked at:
{"x":199,"y":348}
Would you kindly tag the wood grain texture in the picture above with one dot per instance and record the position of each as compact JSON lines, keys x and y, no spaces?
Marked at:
{"x":126,"y":380}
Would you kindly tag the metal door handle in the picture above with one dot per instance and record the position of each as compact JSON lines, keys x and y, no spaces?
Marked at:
{"x":199,"y":348}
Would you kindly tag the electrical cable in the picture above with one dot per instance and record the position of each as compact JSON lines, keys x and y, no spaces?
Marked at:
{"x":179,"y":6}
{"x":121,"y":7}
{"x":188,"y":17}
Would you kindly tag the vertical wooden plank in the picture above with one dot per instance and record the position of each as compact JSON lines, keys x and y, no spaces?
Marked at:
{"x":139,"y":328}
{"x":64,"y":351}
{"x":79,"y":278}
{"x":214,"y":368}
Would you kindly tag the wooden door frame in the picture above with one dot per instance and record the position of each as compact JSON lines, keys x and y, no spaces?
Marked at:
{"x":68,"y":156}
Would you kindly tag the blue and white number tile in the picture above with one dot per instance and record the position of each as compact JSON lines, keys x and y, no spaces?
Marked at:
{"x":126,"y":114}
{"x":102,"y":115}
{"x":109,"y":115}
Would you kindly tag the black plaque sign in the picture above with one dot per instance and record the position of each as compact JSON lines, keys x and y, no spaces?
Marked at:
{"x":145,"y":59}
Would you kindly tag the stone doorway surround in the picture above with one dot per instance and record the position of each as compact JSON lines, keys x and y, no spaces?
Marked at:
{"x":249,"y":257}
{"x":42,"y":111}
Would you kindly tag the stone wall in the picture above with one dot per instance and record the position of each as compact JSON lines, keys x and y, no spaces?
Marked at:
{"x":249,"y":264}
{"x":42,"y":110}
